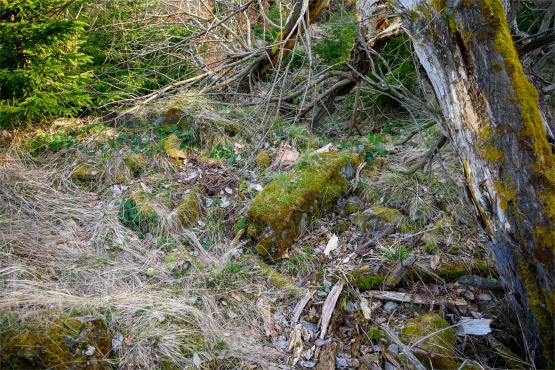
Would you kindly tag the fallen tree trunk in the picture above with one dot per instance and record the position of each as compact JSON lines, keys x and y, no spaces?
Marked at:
{"x":493,"y":119}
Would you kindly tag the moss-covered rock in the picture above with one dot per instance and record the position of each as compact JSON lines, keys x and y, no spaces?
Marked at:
{"x":231,"y":128}
{"x":188,"y":210}
{"x":377,"y":217}
{"x":352,"y":205}
{"x":263,"y":159}
{"x":63,"y":343}
{"x":288,"y":204}
{"x":440,"y":346}
{"x":84,"y":173}
{"x":135,"y":162}
{"x":172,"y":147}
{"x":170,"y":116}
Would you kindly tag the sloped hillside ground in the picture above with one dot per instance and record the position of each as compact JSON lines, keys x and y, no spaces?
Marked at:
{"x":136,"y":242}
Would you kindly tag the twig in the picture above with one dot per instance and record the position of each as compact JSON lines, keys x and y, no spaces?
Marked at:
{"x":404,"y":348}
{"x":421,"y":163}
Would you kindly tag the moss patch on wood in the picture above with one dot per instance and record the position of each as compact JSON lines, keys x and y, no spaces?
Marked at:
{"x":288,"y":204}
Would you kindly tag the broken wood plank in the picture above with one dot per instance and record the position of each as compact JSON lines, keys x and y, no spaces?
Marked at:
{"x":329,"y":306}
{"x":474,"y":327}
{"x":300,"y":306}
{"x":414,"y":298}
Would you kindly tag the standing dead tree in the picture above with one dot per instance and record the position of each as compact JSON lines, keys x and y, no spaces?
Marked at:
{"x":494,"y":122}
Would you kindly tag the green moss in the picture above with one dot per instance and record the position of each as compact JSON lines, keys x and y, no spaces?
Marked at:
{"x":364,"y":279}
{"x":441,"y":345}
{"x":377,"y":216}
{"x":56,"y":342}
{"x":188,"y":210}
{"x":287,"y":205}
{"x":173,"y":116}
{"x":263,"y":159}
{"x":232,"y":129}
{"x":376,"y":333}
{"x":84,"y":173}
{"x":352,"y":205}
{"x":275,"y":278}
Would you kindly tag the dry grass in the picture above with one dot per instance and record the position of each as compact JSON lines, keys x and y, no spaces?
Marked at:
{"x":64,"y":248}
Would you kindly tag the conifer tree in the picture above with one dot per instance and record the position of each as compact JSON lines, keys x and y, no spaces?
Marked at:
{"x":42,"y":71}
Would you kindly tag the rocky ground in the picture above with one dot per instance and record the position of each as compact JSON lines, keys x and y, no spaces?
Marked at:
{"x":189,"y":235}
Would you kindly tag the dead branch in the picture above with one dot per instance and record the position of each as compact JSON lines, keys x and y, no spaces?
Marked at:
{"x":422,"y":161}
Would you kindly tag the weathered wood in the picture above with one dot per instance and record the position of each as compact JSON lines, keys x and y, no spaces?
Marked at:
{"x":494,"y":122}
{"x":415,"y":298}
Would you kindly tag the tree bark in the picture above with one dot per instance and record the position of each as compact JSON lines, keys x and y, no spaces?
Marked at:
{"x":494,"y":122}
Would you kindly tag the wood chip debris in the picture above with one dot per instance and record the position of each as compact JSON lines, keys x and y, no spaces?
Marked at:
{"x":329,"y":306}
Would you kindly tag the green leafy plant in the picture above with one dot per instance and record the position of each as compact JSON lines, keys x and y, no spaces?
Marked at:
{"x":375,"y":147}
{"x":50,"y":141}
{"x":397,"y":253}
{"x":221,"y":151}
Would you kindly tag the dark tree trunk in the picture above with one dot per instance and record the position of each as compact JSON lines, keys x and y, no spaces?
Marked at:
{"x":494,"y":122}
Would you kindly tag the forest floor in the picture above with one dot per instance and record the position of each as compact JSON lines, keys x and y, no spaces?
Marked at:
{"x":128,"y":242}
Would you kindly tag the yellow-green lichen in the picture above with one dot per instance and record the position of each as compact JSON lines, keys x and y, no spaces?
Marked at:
{"x":486,"y":144}
{"x":505,"y":194}
{"x":286,"y":205}
{"x":439,"y":5}
{"x":452,"y":25}
{"x":497,"y":67}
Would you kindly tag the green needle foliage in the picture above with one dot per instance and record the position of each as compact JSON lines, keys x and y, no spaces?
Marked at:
{"x":42,"y":71}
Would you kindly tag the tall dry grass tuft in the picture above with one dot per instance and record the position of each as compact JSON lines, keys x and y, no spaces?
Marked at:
{"x":63,"y":248}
